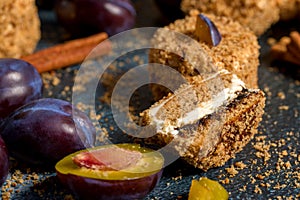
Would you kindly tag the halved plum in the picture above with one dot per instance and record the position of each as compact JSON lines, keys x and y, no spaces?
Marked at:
{"x":122,"y":171}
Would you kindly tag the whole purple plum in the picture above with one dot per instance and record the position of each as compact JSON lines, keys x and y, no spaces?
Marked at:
{"x":3,"y":162}
{"x":110,"y":16}
{"x":20,"y":83}
{"x":44,"y":131}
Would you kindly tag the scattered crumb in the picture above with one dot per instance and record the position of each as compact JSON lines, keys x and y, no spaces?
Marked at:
{"x":225,"y":181}
{"x":283,"y":107}
{"x":281,"y":95}
{"x":240,"y":165}
{"x":271,"y":41}
{"x":262,"y":149}
{"x":257,"y":190}
{"x":260,"y":177}
{"x":267,"y":91}
{"x":232,"y":171}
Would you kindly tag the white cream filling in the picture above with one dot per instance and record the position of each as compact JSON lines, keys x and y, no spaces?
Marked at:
{"x":203,"y":109}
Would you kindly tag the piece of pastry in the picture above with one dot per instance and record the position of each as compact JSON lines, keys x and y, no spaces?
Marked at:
{"x":19,"y":28}
{"x":258,"y":15}
{"x":289,"y":9}
{"x":206,"y":113}
{"x":207,"y":120}
{"x":237,"y":51}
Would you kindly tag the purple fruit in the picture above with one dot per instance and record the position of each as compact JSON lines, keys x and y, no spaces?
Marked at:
{"x":3,"y":162}
{"x":46,"y":130}
{"x":110,"y":16}
{"x":20,"y":83}
{"x":123,"y":171}
{"x":206,"y":31}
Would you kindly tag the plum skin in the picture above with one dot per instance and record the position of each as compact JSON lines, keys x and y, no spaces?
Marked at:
{"x":45,"y":130}
{"x":93,"y":189}
{"x":4,"y":164}
{"x":20,"y":83}
{"x":84,"y":17}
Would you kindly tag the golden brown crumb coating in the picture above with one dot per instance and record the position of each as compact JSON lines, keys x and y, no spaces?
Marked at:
{"x":241,"y":119}
{"x":212,"y":139}
{"x":238,"y":51}
{"x":258,"y":15}
{"x":289,"y":9}
{"x":19,"y":27}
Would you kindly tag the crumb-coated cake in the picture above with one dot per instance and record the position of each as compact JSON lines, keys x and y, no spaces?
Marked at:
{"x":19,"y":27}
{"x":237,"y":52}
{"x":289,"y":9}
{"x":207,"y":120}
{"x":258,"y":15}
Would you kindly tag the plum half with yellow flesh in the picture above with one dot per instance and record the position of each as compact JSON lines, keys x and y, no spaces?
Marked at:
{"x":122,"y":171}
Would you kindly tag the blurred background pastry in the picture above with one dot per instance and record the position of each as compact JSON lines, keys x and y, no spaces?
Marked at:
{"x":19,"y":28}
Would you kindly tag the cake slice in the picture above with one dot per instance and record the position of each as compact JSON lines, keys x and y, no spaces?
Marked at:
{"x":258,"y":15}
{"x":207,"y":120}
{"x":237,"y":52}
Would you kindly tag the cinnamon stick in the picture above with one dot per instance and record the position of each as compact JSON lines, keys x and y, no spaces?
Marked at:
{"x":68,"y":53}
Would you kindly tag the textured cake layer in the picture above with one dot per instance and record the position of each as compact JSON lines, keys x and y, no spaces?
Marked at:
{"x":207,"y":120}
{"x":238,"y":51}
{"x":19,"y":28}
{"x":214,"y":137}
{"x":258,"y":15}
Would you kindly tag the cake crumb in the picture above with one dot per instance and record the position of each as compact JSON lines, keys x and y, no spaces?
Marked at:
{"x":281,"y":95}
{"x":253,"y":180}
{"x":231,"y":170}
{"x":243,"y":189}
{"x":267,"y":91}
{"x":288,"y":165}
{"x":225,"y":181}
{"x":55,"y":81}
{"x":240,"y":165}
{"x":267,"y":185}
{"x":263,"y":149}
{"x":271,"y":41}
{"x":260,"y":177}
{"x":283,"y":107}
{"x":257,"y":190}
{"x":284,"y":153}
